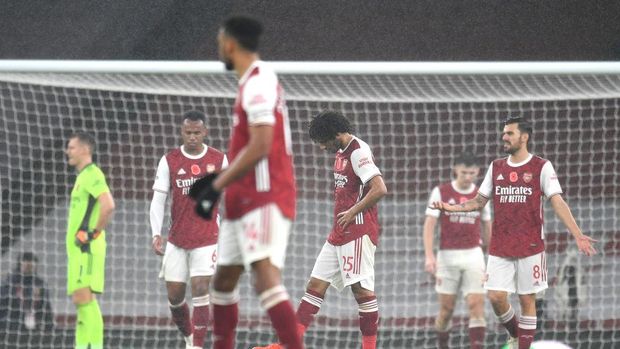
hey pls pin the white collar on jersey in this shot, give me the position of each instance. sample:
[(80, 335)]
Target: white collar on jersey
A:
[(512, 164), (194, 157), (461, 191), (246, 74), (348, 144)]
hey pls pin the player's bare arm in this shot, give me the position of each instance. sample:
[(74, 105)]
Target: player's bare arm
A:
[(584, 242), (486, 227), (257, 148), (474, 204), (106, 207), (430, 263), (375, 193)]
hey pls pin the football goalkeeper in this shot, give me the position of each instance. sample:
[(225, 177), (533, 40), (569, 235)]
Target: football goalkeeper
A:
[(90, 210)]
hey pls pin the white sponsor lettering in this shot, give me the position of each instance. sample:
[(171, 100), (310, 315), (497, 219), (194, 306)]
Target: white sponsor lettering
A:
[(463, 217), (340, 180), (510, 194)]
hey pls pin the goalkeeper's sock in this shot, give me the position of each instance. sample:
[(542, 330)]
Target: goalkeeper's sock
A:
[(369, 321), (277, 304), (309, 306), (443, 339), (225, 318), (200, 319), (180, 316), (89, 327), (509, 320)]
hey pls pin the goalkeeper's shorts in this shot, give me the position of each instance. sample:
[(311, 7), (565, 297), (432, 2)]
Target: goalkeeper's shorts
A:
[(86, 269)]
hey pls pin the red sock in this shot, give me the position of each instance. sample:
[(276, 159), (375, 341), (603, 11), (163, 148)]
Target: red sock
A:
[(200, 318), (369, 321), (309, 306), (509, 320), (476, 337), (276, 301), (527, 329), (180, 316), (225, 317), (443, 338)]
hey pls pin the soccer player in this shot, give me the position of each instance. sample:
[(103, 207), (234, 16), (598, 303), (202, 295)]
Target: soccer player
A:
[(260, 190), (517, 262), (348, 256), (90, 210), (191, 250), (460, 260)]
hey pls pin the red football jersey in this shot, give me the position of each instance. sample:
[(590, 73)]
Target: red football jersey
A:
[(353, 168), (517, 192), (187, 229), (260, 102), (459, 230)]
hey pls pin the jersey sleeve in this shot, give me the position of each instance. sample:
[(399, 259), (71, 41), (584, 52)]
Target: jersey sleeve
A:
[(435, 196), (485, 215), (364, 164), (486, 188), (97, 184), (259, 100), (549, 180), (162, 178)]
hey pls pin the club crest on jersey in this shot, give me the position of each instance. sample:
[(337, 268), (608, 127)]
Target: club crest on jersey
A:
[(181, 172), (340, 164), (210, 168), (527, 177), (513, 177), (462, 199), (195, 169)]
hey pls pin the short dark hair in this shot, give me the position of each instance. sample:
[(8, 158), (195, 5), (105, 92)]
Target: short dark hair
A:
[(195, 115), (85, 138), (467, 159), (326, 125), (523, 125), (28, 257), (245, 30)]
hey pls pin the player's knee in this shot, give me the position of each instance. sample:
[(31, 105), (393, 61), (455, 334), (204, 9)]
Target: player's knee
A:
[(360, 293), (317, 286), (497, 298)]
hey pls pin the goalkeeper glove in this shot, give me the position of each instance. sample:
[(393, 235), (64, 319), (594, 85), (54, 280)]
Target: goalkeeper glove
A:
[(206, 197), (83, 238)]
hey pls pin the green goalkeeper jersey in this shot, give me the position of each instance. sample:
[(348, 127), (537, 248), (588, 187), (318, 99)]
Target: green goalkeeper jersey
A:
[(89, 184)]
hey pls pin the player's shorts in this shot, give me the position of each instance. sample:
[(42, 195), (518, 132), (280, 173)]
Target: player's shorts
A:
[(179, 264), (460, 269), (86, 269), (526, 275), (261, 233), (348, 264)]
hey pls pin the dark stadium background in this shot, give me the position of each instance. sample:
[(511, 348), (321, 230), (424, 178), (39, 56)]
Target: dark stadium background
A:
[(315, 30)]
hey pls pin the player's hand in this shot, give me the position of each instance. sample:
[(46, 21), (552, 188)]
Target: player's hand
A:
[(84, 237), (441, 206), (206, 197), (158, 245), (345, 218), (584, 244), (430, 265)]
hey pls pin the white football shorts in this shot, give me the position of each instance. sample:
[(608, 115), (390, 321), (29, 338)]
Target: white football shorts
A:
[(460, 269), (526, 275), (348, 264), (259, 234), (180, 264)]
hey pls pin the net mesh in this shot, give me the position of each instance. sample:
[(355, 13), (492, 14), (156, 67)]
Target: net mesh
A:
[(415, 124)]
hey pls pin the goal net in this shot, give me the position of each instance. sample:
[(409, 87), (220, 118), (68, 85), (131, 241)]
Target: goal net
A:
[(416, 118)]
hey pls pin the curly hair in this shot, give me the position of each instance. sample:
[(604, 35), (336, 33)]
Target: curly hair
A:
[(326, 125)]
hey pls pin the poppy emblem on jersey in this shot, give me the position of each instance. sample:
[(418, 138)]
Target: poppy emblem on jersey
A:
[(527, 177), (210, 168), (195, 169), (340, 164), (462, 199), (514, 177)]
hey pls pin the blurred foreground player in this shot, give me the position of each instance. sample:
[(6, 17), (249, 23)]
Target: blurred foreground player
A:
[(260, 191)]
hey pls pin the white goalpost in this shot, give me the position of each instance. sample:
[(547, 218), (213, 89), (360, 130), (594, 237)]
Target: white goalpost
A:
[(415, 116)]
